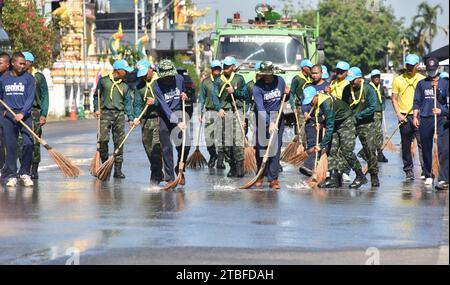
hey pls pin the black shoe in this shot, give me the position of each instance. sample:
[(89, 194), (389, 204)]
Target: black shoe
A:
[(332, 181), (34, 171), (441, 186), (359, 181), (118, 171), (212, 157), (305, 171), (232, 172), (374, 180), (240, 169), (382, 158), (220, 159), (410, 175)]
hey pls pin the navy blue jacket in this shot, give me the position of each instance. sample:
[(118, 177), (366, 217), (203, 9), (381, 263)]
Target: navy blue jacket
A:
[(169, 97), (18, 92), (268, 98), (424, 97)]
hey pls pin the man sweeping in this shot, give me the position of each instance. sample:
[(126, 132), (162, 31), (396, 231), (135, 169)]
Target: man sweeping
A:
[(17, 90), (209, 105), (403, 89), (115, 102), (230, 139), (377, 86), (313, 122), (4, 67), (150, 120), (427, 104), (170, 91), (268, 93), (339, 139), (39, 111)]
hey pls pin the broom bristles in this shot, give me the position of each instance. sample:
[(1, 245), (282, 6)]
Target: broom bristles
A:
[(290, 150), (298, 159), (414, 148), (66, 166), (365, 169), (390, 146), (96, 163), (196, 160), (249, 160), (435, 166), (320, 173), (104, 171), (174, 183)]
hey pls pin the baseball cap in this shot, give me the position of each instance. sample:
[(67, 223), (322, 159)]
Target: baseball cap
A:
[(308, 93), (229, 60), (143, 66), (257, 66), (28, 56), (375, 72), (266, 68), (122, 64), (325, 74), (306, 63), (412, 59), (342, 65), (354, 73), (431, 64), (216, 63), (444, 75)]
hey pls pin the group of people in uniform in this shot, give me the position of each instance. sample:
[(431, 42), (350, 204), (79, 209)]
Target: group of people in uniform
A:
[(331, 116)]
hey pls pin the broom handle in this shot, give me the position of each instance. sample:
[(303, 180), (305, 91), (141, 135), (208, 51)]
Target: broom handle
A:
[(317, 143), (200, 132), (132, 128), (266, 155), (99, 116), (239, 118), (181, 164), (393, 133), (435, 106), (41, 141)]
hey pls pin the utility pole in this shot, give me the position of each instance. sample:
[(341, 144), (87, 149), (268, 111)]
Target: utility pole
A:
[(136, 24), (143, 14), (153, 25), (85, 53)]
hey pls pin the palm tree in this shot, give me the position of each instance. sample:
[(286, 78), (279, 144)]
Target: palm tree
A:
[(424, 26)]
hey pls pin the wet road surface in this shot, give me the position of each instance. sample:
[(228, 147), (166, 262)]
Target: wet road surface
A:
[(210, 220)]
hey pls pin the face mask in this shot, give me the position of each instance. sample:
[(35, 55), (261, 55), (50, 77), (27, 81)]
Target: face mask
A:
[(432, 73)]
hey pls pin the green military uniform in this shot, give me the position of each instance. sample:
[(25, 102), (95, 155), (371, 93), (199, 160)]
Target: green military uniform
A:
[(115, 101), (298, 84), (150, 127), (208, 97), (231, 142), (362, 101), (378, 116)]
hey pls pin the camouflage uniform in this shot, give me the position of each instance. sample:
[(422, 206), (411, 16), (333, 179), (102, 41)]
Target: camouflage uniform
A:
[(115, 100), (231, 140), (150, 128), (298, 84)]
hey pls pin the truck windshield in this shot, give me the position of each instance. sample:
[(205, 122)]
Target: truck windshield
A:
[(285, 51)]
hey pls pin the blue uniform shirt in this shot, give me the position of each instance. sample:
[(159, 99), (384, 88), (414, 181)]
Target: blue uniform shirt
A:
[(169, 97), (424, 97), (18, 92), (268, 98)]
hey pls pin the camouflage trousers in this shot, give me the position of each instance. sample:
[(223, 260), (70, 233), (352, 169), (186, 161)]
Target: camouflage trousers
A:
[(112, 121), (210, 127), (367, 135), (302, 123), (229, 139), (37, 128), (342, 146), (378, 124), (152, 146)]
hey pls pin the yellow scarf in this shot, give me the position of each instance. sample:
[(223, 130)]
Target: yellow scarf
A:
[(115, 84), (322, 98), (356, 101), (338, 87), (148, 86), (307, 79), (377, 89), (33, 71), (227, 82), (410, 83)]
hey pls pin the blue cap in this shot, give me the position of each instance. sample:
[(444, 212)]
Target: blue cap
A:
[(342, 65), (122, 64), (306, 63), (216, 63), (257, 66), (308, 95), (143, 66), (412, 59), (375, 72), (229, 60), (28, 56), (324, 68), (354, 73), (325, 75), (444, 75)]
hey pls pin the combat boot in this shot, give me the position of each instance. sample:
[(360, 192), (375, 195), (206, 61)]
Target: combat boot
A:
[(212, 156), (34, 171), (240, 169), (359, 181), (374, 180), (332, 181), (339, 178), (232, 172), (220, 159), (118, 170), (381, 157)]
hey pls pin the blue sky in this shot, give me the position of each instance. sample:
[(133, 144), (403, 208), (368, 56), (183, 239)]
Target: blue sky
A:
[(402, 8)]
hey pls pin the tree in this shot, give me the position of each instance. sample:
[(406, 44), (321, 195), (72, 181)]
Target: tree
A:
[(28, 30), (424, 27), (355, 32)]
